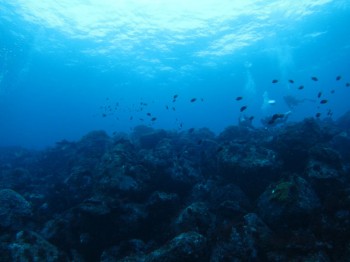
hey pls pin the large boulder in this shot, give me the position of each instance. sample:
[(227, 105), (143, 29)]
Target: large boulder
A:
[(289, 203), (14, 209)]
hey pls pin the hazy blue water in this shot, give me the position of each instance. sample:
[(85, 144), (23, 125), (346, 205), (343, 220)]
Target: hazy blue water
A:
[(62, 63)]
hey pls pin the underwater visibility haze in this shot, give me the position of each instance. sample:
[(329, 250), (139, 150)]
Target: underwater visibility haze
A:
[(163, 130), (69, 67)]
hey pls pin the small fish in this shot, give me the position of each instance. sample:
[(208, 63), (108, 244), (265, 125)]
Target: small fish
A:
[(332, 91), (243, 108), (314, 78), (238, 98), (274, 81), (324, 101), (347, 84), (141, 119), (167, 107), (193, 100), (251, 118), (301, 87), (291, 81), (319, 94), (153, 119), (318, 115), (104, 115), (173, 108), (329, 113), (149, 114), (338, 78), (175, 96)]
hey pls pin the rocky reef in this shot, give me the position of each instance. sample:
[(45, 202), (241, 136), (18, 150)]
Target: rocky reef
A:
[(247, 194)]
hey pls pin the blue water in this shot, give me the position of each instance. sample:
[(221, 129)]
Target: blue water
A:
[(69, 67)]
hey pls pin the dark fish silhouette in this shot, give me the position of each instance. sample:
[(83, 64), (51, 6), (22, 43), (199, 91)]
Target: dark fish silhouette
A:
[(153, 119), (190, 131), (314, 78), (149, 114), (347, 84), (251, 118), (301, 87), (318, 115), (291, 81), (193, 100), (243, 108), (319, 94), (274, 81), (332, 91), (175, 96), (338, 78), (324, 101), (238, 98)]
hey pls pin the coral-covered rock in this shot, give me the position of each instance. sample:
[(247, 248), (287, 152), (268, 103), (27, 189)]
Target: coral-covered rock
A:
[(14, 209), (29, 246), (245, 242), (252, 167), (196, 217), (190, 246), (227, 200), (290, 202), (293, 143)]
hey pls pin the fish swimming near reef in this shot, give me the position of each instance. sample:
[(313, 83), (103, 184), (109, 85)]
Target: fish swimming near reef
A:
[(292, 102)]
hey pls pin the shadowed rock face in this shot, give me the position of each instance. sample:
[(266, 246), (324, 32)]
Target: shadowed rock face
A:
[(244, 195)]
